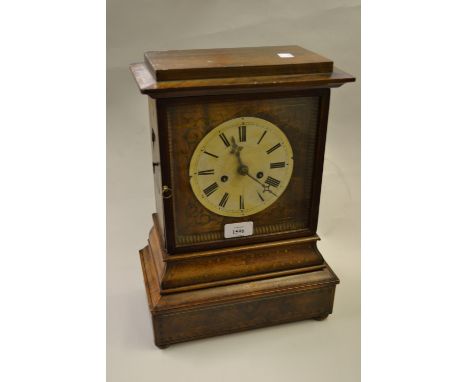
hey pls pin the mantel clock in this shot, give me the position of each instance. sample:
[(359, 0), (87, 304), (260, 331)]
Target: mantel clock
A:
[(238, 139)]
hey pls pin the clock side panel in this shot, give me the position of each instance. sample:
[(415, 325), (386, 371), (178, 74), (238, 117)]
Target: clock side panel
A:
[(156, 155), (319, 158), (187, 120)]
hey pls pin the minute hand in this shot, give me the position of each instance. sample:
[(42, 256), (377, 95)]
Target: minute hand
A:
[(261, 184)]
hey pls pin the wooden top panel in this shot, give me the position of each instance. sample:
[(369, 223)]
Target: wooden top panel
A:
[(160, 89), (173, 65)]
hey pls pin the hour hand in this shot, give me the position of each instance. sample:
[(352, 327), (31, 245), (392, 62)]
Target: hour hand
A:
[(233, 144), (236, 151), (235, 147)]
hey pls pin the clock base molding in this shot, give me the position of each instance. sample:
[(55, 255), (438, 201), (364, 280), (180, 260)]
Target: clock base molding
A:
[(210, 311), (216, 267)]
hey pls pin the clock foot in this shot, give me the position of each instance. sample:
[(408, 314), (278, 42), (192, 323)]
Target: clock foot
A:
[(321, 317), (162, 346)]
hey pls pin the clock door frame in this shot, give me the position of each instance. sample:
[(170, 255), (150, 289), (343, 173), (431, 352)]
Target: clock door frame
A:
[(167, 216)]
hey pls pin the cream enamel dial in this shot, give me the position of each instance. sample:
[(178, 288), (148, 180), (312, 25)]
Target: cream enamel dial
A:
[(241, 167)]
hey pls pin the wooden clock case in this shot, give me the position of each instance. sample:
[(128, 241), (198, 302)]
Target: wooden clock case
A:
[(199, 285)]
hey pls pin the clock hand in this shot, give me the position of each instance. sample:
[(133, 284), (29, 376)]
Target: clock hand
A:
[(265, 188), (234, 145), (236, 150), (271, 192), (252, 177), (243, 169)]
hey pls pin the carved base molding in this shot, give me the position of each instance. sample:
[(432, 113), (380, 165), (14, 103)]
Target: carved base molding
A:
[(194, 306)]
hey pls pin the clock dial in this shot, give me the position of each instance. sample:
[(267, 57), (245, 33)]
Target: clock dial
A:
[(241, 167)]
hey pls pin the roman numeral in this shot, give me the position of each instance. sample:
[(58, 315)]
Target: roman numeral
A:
[(241, 202), (272, 181), (224, 200), (206, 172), (242, 133), (225, 140), (210, 189), (212, 155), (277, 164), (260, 196), (273, 148), (261, 137)]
